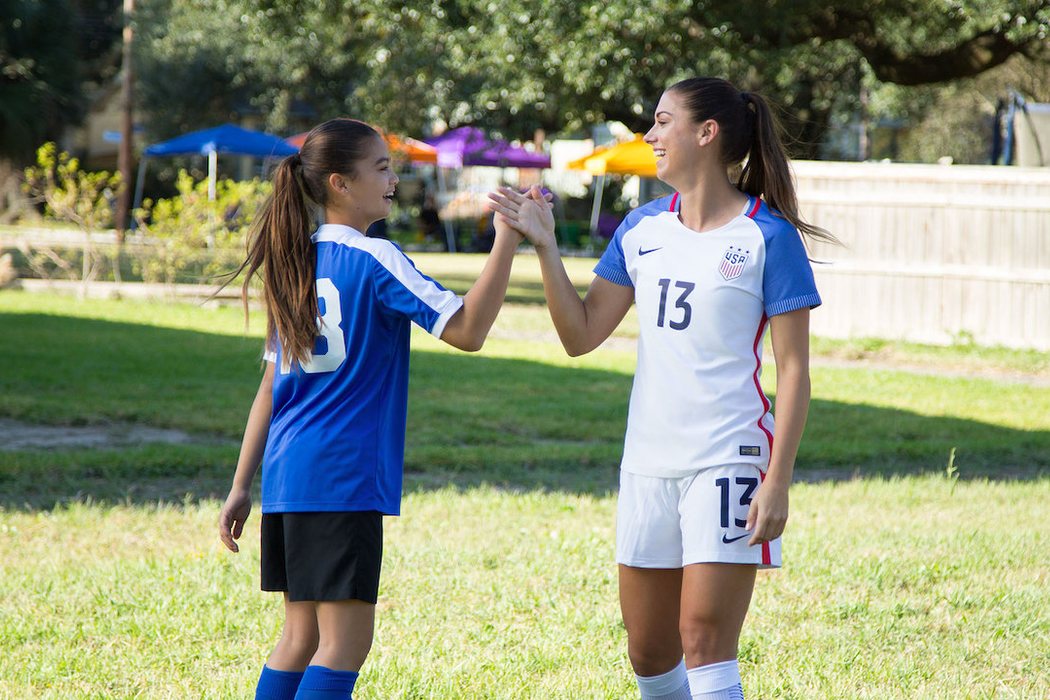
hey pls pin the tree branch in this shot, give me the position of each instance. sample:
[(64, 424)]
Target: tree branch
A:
[(971, 57)]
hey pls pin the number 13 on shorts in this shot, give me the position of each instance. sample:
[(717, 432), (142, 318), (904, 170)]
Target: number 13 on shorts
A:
[(734, 493), (734, 498)]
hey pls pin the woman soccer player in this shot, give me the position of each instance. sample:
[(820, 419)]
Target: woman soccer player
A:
[(703, 485), (328, 422)]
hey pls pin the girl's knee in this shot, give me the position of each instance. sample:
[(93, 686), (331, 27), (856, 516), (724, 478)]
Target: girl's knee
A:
[(298, 643)]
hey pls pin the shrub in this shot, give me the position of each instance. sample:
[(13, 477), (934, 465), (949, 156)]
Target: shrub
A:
[(193, 238)]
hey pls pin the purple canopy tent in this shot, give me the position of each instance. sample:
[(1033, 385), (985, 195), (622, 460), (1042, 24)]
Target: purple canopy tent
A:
[(468, 146), (502, 155), (453, 146)]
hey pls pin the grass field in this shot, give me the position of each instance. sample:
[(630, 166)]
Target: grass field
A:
[(904, 582)]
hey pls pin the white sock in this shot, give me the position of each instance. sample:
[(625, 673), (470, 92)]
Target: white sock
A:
[(719, 681), (673, 685)]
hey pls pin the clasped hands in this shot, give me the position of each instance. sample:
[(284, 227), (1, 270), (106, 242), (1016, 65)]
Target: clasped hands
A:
[(530, 213)]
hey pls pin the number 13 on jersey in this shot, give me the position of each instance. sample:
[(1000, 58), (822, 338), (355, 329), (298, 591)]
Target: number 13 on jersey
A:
[(680, 303)]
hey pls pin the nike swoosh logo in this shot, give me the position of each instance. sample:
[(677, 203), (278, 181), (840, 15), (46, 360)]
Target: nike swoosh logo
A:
[(646, 252), (730, 540)]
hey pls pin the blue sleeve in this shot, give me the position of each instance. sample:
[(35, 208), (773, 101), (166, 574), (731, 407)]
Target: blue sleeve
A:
[(612, 265), (787, 281), (404, 290)]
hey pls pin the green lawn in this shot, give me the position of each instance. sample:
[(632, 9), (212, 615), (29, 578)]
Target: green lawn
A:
[(498, 580), (891, 589)]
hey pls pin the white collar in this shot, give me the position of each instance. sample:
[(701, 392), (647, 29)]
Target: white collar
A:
[(335, 232)]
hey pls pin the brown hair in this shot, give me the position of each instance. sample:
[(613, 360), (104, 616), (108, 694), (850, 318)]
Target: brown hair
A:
[(749, 131), (279, 240)]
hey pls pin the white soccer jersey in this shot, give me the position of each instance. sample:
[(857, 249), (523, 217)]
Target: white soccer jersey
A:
[(704, 301)]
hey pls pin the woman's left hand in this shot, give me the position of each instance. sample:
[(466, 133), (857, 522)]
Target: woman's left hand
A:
[(768, 513)]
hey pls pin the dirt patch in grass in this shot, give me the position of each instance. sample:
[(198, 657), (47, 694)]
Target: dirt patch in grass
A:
[(17, 435)]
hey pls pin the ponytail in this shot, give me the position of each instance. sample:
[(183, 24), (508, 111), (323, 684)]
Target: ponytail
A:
[(750, 133), (280, 248), (766, 170), (279, 245)]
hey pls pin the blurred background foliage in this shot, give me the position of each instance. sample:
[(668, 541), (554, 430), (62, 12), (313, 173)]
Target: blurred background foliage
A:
[(836, 67)]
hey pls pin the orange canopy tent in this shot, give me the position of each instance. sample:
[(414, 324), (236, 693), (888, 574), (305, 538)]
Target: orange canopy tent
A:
[(416, 151)]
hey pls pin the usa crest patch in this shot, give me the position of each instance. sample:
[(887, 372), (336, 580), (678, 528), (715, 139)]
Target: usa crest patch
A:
[(733, 262)]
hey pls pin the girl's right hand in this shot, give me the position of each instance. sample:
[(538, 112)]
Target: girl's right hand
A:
[(231, 519), (530, 214)]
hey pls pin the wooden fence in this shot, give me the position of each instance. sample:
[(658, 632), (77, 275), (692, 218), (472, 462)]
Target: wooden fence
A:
[(932, 253)]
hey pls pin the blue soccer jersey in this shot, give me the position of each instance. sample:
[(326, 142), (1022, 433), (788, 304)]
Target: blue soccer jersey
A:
[(704, 302), (337, 430)]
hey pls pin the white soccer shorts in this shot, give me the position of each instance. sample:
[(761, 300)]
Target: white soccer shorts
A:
[(668, 523)]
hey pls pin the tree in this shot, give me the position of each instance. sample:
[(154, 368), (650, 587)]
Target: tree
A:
[(39, 88), (50, 53), (558, 64), (280, 64)]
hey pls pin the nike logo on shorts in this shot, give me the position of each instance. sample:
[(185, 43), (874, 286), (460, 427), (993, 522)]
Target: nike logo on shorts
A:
[(731, 540)]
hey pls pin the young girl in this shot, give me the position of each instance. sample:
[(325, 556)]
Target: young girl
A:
[(703, 485), (328, 421)]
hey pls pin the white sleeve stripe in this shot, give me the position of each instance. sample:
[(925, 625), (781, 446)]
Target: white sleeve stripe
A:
[(446, 316), (426, 290), (393, 261)]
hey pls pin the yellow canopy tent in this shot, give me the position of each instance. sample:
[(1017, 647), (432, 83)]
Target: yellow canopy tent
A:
[(634, 157)]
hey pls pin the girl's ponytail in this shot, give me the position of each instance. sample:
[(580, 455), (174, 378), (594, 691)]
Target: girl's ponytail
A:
[(280, 247), (279, 244)]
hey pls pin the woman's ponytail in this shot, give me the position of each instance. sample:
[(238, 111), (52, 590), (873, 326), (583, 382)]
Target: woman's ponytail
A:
[(750, 134), (766, 171)]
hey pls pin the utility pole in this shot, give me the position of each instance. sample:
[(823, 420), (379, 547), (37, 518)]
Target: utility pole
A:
[(126, 149)]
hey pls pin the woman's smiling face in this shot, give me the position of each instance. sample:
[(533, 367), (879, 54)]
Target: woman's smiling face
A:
[(675, 138)]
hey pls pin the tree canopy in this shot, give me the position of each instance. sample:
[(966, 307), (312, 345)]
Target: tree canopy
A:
[(51, 55), (560, 65)]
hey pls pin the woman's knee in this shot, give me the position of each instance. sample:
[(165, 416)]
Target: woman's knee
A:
[(652, 656), (706, 641)]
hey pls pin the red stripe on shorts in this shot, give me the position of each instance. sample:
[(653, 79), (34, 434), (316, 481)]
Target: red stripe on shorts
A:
[(767, 558)]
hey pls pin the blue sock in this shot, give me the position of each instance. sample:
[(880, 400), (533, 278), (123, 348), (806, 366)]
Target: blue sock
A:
[(277, 685), (320, 683)]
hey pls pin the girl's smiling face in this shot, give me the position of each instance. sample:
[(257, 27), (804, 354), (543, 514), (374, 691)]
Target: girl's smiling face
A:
[(367, 196)]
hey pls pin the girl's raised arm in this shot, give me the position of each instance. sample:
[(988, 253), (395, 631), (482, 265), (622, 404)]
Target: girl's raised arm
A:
[(582, 324), (469, 327)]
